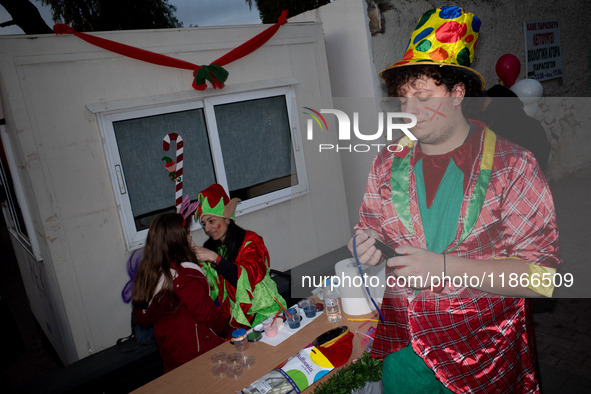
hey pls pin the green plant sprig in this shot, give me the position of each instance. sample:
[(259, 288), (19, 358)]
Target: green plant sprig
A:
[(352, 377)]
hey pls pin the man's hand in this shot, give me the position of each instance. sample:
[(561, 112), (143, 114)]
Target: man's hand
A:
[(417, 265), (366, 251)]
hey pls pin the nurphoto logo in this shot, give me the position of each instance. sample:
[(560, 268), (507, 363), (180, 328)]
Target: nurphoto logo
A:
[(387, 122)]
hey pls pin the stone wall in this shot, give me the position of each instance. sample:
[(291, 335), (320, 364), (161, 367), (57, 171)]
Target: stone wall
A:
[(565, 119)]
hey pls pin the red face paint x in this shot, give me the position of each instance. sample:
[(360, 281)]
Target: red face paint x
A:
[(435, 112)]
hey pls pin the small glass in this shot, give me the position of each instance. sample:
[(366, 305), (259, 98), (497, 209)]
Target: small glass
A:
[(293, 318), (309, 308), (270, 329)]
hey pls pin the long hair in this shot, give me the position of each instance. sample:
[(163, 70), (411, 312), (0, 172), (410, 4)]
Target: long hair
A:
[(232, 241), (166, 243)]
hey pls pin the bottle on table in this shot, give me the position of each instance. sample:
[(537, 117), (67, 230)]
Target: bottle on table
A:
[(239, 339), (332, 304)]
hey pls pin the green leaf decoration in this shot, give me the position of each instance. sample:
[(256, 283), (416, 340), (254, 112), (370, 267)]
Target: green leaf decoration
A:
[(352, 377), (213, 73)]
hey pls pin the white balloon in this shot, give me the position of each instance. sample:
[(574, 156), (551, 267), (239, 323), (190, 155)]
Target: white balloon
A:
[(528, 88), (529, 92), (531, 109)]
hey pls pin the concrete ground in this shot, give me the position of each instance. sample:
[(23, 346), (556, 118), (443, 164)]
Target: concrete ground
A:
[(562, 325)]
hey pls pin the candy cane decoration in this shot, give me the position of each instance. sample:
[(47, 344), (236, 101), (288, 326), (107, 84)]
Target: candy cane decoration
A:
[(179, 165)]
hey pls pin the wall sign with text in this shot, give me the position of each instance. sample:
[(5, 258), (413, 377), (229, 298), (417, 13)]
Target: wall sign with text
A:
[(542, 49)]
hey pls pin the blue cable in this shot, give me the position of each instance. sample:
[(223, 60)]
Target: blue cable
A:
[(363, 278)]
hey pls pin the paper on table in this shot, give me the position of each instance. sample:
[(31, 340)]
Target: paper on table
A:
[(293, 376), (285, 332)]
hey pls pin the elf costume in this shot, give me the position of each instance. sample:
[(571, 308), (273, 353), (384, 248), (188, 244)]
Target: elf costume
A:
[(485, 200), (255, 296)]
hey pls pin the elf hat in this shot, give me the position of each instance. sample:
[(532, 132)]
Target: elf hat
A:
[(444, 36), (215, 201)]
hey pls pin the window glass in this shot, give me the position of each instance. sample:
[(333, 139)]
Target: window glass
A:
[(255, 139), (151, 188), (246, 141)]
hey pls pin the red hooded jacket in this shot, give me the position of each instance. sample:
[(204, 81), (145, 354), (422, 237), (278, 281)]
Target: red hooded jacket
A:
[(192, 327)]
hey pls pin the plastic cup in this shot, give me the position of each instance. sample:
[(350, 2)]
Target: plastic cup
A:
[(234, 371), (219, 370), (293, 319), (309, 308), (218, 358), (270, 329)]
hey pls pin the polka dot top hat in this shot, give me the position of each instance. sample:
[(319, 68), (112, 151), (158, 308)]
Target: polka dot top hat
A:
[(215, 201), (444, 36)]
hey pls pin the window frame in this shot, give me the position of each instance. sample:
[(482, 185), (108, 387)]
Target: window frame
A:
[(134, 238), (29, 241), (275, 197)]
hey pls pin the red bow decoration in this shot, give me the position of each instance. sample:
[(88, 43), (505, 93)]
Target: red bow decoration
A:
[(214, 72)]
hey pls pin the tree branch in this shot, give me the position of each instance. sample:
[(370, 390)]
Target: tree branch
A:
[(26, 16)]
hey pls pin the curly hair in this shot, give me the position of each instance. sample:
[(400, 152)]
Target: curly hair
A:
[(448, 76)]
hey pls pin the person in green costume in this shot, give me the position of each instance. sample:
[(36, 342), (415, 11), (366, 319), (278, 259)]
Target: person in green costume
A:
[(236, 262), (473, 220)]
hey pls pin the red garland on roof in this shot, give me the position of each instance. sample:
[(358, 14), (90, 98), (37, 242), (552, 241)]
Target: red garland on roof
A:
[(214, 72)]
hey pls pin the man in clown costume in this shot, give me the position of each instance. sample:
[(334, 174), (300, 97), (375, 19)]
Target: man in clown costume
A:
[(473, 219), (236, 262)]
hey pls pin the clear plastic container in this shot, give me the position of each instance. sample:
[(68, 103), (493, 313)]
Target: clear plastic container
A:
[(309, 308), (239, 339), (234, 359), (218, 357), (249, 361), (234, 371), (271, 329), (219, 370), (293, 318)]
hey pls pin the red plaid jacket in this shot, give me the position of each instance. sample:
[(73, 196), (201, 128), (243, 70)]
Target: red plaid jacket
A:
[(474, 342)]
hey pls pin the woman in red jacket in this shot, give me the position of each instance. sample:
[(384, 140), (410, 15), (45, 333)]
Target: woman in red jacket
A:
[(172, 294)]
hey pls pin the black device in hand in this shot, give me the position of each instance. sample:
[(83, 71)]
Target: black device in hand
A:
[(387, 251)]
